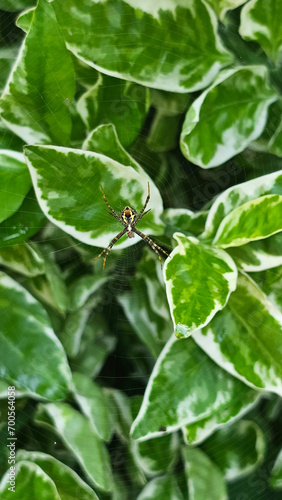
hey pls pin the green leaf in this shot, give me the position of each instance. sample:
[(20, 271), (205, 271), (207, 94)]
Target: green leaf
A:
[(246, 338), (104, 140), (15, 182), (173, 47), (186, 388), (271, 284), (252, 221), (95, 405), (95, 346), (230, 114), (276, 473), (31, 355), (82, 288), (258, 255), (184, 221), (237, 449), (145, 304), (77, 433), (191, 269), (23, 259), (50, 288), (26, 222), (116, 101), (238, 195), (30, 480), (82, 213), (261, 22), (34, 102), (204, 478), (158, 455), (271, 138), (160, 488), (69, 484)]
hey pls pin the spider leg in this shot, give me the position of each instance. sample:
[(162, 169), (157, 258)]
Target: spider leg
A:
[(152, 244), (141, 213), (116, 215), (109, 247)]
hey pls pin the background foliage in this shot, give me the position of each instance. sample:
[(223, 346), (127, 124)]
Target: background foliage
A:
[(137, 382)]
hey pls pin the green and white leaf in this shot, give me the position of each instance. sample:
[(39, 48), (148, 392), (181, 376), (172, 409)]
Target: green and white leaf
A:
[(78, 435), (192, 268), (254, 220), (95, 404), (186, 388), (276, 473), (32, 358), (115, 101), (34, 101), (237, 195), (271, 139), (258, 255), (81, 212), (23, 259), (237, 449), (173, 47), (261, 21), (83, 287), (246, 338), (69, 484), (30, 478), (15, 182), (270, 283), (160, 488), (222, 6), (246, 93), (184, 220), (158, 455), (204, 478)]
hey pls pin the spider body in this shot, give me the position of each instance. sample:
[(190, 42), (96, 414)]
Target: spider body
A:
[(128, 217)]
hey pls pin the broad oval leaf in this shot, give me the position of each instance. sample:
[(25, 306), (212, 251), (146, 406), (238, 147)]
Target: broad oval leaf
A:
[(76, 432), (187, 388), (254, 220), (81, 212), (237, 449), (227, 116), (34, 101), (122, 103), (158, 455), (32, 357), (199, 280), (261, 21), (15, 182), (69, 484), (246, 338), (95, 404), (237, 195), (173, 47), (204, 478), (30, 479)]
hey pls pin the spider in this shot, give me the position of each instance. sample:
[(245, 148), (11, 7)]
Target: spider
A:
[(128, 217)]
